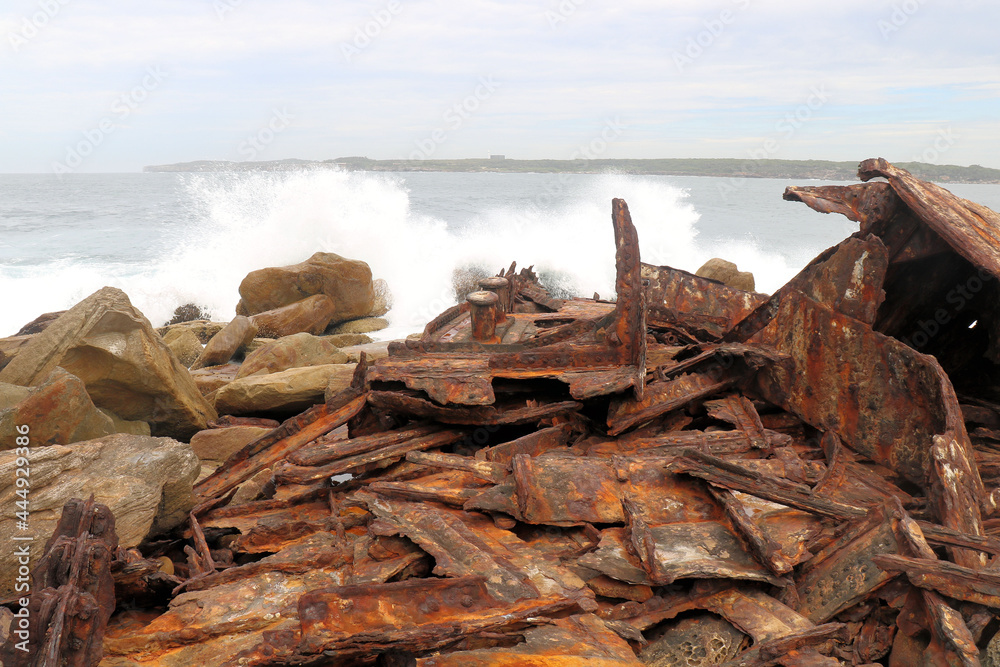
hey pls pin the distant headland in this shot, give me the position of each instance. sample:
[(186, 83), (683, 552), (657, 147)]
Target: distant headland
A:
[(719, 167)]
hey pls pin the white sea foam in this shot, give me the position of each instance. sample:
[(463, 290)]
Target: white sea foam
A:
[(253, 220)]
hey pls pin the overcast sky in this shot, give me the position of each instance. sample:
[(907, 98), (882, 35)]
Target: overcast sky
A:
[(112, 85)]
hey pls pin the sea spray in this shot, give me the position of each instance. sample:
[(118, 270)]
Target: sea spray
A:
[(414, 230)]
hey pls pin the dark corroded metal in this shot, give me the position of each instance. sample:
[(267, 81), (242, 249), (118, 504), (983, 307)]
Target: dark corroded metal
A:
[(72, 593), (882, 398), (676, 297)]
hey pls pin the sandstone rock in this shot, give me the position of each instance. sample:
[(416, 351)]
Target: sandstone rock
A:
[(361, 326), (295, 351), (203, 329), (292, 390), (12, 394), (58, 412), (126, 367), (256, 344), (146, 482), (211, 379), (218, 444), (185, 345), (383, 298), (339, 380), (126, 426), (347, 282), (373, 351), (10, 346), (311, 315), (226, 343), (727, 274), (38, 324), (346, 340), (251, 489)]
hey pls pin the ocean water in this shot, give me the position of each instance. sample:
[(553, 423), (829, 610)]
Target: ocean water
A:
[(170, 239)]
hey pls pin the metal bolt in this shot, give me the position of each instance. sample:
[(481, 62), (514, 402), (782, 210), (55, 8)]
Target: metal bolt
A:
[(483, 309), (500, 287)]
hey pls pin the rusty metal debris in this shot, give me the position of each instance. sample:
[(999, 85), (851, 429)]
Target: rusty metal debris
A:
[(559, 482)]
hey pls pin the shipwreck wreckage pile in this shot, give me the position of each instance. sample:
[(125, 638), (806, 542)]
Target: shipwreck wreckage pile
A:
[(688, 475)]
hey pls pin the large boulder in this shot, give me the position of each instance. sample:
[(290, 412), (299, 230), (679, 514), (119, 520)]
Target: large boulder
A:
[(146, 482), (223, 345), (58, 412), (347, 282), (288, 391), (726, 273), (125, 365), (311, 315), (295, 351)]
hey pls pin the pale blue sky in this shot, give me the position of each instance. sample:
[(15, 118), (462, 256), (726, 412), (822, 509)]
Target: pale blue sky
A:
[(111, 85)]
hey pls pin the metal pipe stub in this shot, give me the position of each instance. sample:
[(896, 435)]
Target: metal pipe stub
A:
[(500, 287), (483, 307)]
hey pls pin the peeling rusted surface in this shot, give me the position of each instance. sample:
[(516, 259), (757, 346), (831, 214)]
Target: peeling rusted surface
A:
[(676, 297), (72, 592)]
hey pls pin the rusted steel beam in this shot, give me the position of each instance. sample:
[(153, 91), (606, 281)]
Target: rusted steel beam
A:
[(739, 478), (496, 473), (954, 581), (740, 412), (293, 474), (451, 488), (584, 639), (276, 445), (320, 453), (661, 398), (676, 297), (422, 614), (72, 595), (482, 415), (468, 543)]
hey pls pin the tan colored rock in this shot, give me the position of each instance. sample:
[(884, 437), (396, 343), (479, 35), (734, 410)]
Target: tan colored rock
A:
[(292, 390), (185, 345), (203, 329), (361, 326), (126, 426), (251, 489), (211, 379), (727, 274), (383, 298), (311, 315), (125, 365), (218, 444), (347, 340), (146, 482), (38, 324), (347, 282), (295, 351), (223, 345), (12, 394), (58, 412), (339, 381), (373, 351), (256, 344), (10, 346)]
